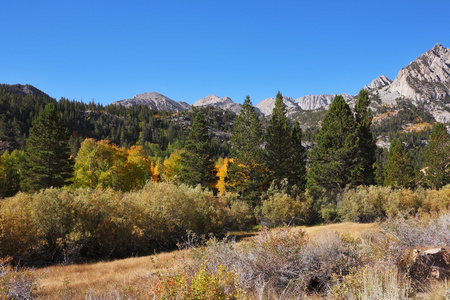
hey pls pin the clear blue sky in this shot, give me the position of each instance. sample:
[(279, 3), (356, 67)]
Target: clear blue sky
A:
[(186, 50)]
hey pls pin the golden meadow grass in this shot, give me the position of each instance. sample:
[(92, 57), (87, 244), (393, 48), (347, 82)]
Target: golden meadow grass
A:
[(96, 278), (131, 274)]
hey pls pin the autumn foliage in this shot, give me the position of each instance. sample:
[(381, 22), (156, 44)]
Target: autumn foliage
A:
[(103, 164), (74, 225)]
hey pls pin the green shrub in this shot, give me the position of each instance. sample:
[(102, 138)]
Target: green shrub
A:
[(69, 226), (240, 215), (168, 211), (404, 201), (435, 201), (202, 284), (369, 204), (364, 204), (281, 208)]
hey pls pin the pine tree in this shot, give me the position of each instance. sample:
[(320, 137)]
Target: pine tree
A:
[(438, 158), (398, 171), (247, 171), (297, 161), (48, 160), (365, 157), (197, 164), (10, 172), (278, 149), (333, 159)]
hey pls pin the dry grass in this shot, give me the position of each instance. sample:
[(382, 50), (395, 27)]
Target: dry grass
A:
[(77, 281), (353, 230)]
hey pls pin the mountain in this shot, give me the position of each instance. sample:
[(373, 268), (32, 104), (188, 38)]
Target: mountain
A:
[(154, 100), (425, 79), (223, 103), (23, 90), (266, 106), (424, 83), (311, 102), (377, 83)]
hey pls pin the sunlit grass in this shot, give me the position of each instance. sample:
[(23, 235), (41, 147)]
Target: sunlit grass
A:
[(134, 275), (125, 275)]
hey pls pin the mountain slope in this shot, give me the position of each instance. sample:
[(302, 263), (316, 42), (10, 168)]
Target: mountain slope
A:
[(23, 90), (266, 106), (154, 100), (378, 82), (424, 83), (223, 103), (311, 102), (425, 79)]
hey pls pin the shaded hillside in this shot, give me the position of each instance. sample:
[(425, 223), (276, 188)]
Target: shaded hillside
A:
[(160, 132)]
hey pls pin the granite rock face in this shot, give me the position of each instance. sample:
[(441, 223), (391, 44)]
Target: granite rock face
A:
[(154, 100), (424, 80), (377, 83), (223, 103), (266, 106), (311, 102)]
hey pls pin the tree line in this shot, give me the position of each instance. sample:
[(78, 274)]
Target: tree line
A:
[(259, 157)]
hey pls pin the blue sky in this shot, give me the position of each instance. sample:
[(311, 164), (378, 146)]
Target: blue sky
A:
[(112, 50)]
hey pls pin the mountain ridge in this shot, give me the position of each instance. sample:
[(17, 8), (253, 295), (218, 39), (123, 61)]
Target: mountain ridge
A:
[(23, 89), (154, 100)]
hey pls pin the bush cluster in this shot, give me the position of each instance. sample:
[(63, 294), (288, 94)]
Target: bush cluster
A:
[(284, 263), (69, 226), (368, 204), (278, 262), (282, 208)]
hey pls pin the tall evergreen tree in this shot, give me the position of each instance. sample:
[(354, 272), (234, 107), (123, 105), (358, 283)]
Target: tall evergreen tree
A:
[(48, 160), (278, 149), (398, 171), (333, 162), (196, 160), (365, 156), (247, 171), (297, 166), (438, 158)]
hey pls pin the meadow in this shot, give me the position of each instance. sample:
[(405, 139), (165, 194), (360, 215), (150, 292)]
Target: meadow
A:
[(105, 244)]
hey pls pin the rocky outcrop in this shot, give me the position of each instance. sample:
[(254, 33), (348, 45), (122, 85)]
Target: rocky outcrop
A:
[(378, 82), (223, 103), (311, 102), (425, 79), (430, 264), (154, 100), (266, 106)]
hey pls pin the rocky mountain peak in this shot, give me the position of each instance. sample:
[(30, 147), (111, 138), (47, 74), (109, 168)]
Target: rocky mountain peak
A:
[(150, 96), (425, 79), (379, 82), (211, 100), (311, 102), (266, 106), (23, 89), (154, 100), (223, 103)]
